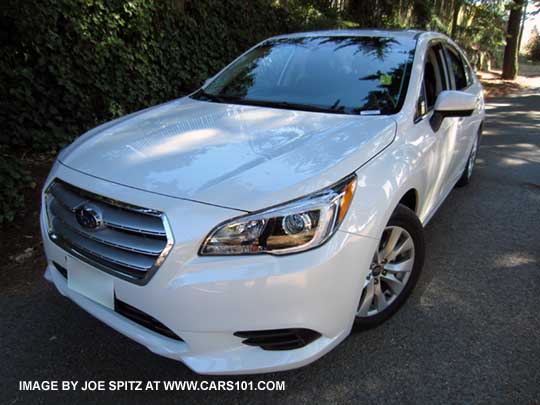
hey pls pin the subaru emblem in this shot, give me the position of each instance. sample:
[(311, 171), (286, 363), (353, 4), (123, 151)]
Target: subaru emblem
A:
[(89, 216)]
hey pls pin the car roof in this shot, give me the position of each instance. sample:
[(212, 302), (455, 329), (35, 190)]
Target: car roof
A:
[(413, 34)]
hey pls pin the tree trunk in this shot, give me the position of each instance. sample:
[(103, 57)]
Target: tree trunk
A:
[(522, 24), (510, 64), (457, 8)]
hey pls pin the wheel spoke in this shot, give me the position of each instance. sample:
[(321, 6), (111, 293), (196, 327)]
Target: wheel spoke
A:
[(378, 256), (403, 247), (393, 239), (395, 284), (380, 298), (367, 298), (402, 267)]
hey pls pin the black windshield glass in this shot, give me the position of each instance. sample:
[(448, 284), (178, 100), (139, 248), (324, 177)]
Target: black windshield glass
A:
[(352, 75)]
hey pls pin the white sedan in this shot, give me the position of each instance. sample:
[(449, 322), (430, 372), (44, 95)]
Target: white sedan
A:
[(249, 226)]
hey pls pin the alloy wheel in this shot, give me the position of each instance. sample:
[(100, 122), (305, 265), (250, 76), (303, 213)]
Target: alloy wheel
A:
[(389, 272)]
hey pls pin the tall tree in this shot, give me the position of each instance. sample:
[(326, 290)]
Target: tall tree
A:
[(455, 15), (510, 64)]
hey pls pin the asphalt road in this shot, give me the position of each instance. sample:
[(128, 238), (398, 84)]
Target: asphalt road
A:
[(469, 333)]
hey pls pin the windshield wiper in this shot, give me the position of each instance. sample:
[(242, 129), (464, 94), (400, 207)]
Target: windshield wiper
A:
[(288, 105), (202, 95)]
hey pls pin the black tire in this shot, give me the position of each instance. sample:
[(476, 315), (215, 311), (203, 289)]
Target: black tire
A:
[(405, 218), (467, 172)]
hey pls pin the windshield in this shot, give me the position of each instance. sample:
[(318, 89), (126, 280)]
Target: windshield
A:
[(347, 75)]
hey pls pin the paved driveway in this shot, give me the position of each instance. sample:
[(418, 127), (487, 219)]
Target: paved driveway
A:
[(469, 333)]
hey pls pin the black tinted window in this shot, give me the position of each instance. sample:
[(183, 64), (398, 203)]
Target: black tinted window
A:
[(337, 74), (454, 60)]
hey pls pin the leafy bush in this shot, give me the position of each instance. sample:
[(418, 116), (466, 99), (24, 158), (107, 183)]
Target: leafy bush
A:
[(533, 46), (13, 179), (67, 65)]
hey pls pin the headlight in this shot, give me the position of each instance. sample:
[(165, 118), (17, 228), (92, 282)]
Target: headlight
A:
[(291, 227)]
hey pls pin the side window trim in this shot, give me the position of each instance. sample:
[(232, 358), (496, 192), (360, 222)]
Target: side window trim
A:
[(469, 71), (449, 78), (447, 62), (436, 46), (465, 64)]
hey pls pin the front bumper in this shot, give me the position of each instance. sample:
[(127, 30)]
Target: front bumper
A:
[(205, 300)]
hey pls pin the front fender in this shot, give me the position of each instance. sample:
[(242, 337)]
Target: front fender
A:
[(382, 183)]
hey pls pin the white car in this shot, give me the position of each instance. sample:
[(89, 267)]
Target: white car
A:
[(249, 226)]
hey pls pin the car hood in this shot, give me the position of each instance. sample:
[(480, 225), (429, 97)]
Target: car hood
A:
[(236, 156)]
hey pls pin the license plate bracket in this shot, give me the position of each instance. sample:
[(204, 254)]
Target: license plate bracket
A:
[(90, 282)]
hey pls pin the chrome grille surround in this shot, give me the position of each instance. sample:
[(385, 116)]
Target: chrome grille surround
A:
[(131, 243)]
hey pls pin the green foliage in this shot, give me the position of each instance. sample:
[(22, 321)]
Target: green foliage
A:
[(306, 15), (13, 179), (482, 34), (532, 48), (69, 64), (382, 14)]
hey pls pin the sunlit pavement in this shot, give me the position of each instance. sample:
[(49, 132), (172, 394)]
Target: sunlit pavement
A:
[(469, 333)]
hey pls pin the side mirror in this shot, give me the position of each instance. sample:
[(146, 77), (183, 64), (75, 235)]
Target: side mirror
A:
[(452, 103)]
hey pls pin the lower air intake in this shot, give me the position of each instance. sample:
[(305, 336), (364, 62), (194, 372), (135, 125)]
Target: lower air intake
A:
[(279, 339), (143, 319)]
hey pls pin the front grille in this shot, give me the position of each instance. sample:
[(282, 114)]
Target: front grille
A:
[(127, 241)]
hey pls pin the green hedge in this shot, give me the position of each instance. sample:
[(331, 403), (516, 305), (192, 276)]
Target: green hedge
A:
[(67, 65), (13, 178)]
